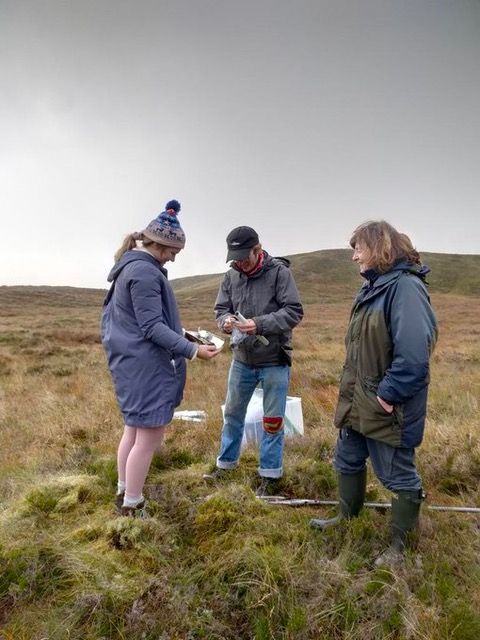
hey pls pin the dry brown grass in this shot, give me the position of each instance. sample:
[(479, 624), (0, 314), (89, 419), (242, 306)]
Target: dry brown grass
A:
[(231, 568)]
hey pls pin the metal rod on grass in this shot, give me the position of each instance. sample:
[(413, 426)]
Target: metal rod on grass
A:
[(307, 502)]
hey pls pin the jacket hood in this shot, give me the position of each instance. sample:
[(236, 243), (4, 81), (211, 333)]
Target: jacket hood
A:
[(420, 271), (133, 256), (285, 261)]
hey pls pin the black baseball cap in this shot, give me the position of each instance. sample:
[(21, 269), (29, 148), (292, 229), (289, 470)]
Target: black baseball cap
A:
[(239, 242)]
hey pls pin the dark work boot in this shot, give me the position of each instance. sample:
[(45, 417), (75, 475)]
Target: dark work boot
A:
[(217, 474), (266, 487), (405, 511), (351, 496)]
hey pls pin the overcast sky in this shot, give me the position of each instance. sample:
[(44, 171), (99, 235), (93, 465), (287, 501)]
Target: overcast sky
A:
[(301, 118)]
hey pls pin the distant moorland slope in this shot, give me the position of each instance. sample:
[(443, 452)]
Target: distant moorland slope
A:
[(328, 273), (331, 273)]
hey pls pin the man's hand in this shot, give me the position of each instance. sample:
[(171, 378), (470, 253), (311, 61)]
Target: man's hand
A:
[(228, 323), (207, 351), (385, 406), (248, 326)]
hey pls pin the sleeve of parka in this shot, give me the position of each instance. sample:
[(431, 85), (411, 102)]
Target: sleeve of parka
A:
[(413, 331), (223, 303), (147, 301), (290, 310)]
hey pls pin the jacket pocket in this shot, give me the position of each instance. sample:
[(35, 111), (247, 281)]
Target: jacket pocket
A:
[(372, 415), (371, 383), (398, 409)]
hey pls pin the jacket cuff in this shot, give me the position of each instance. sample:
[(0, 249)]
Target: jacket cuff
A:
[(384, 395), (195, 353), (190, 350), (258, 323)]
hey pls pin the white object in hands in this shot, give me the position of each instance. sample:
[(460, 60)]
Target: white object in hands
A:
[(204, 337), (262, 339)]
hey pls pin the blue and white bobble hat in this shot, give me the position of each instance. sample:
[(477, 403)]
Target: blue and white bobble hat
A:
[(166, 229)]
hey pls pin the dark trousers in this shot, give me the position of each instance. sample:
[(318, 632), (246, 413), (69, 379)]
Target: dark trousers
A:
[(393, 466)]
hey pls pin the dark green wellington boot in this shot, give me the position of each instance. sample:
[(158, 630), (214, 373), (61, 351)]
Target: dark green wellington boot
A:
[(405, 511), (351, 496)]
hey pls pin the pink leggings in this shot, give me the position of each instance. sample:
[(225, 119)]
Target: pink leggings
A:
[(135, 453)]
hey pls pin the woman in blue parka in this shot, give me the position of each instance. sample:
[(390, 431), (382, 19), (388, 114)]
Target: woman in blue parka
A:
[(384, 384), (146, 351)]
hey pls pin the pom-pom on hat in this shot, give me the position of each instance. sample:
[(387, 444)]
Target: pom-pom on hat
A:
[(240, 241), (166, 229)]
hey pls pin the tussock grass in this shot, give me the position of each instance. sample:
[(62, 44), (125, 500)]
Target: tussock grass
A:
[(215, 562)]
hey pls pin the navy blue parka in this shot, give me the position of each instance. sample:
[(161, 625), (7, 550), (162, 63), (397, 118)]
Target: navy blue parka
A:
[(143, 340)]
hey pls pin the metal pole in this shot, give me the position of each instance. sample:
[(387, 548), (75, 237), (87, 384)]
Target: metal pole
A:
[(307, 502)]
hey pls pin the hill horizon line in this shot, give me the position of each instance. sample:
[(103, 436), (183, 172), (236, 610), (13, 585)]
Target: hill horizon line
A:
[(179, 283)]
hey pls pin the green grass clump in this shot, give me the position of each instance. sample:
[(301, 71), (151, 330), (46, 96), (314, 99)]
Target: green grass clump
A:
[(309, 478), (63, 494), (173, 458), (30, 573), (104, 469), (462, 622)]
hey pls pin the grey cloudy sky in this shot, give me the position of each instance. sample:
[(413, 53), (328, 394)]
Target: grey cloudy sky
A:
[(301, 118)]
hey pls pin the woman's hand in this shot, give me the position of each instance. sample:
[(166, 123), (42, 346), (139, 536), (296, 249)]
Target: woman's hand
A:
[(207, 351), (385, 406)]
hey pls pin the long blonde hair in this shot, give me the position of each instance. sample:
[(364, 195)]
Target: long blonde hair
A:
[(384, 245), (130, 242)]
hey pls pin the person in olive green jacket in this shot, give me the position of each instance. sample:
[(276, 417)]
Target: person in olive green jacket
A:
[(384, 384)]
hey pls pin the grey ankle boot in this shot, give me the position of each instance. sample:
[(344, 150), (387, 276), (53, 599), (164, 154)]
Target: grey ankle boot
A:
[(351, 495), (405, 511)]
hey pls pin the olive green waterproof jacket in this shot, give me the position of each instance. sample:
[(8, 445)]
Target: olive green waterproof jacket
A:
[(390, 338)]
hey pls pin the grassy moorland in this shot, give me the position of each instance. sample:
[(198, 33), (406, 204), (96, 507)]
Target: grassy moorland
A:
[(219, 564)]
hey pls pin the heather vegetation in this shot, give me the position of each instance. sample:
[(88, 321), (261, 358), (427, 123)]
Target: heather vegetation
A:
[(217, 563)]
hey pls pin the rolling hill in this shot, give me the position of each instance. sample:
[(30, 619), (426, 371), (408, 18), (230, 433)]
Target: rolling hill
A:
[(331, 274), (320, 275)]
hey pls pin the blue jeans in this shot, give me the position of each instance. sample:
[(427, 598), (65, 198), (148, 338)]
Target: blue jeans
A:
[(393, 466), (242, 381)]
